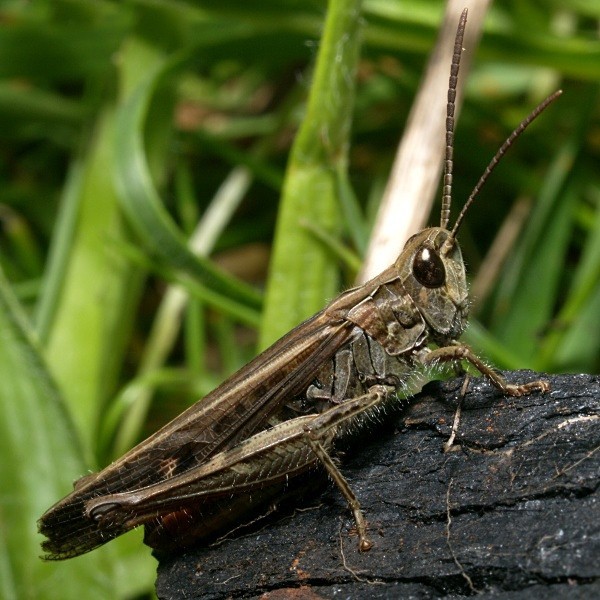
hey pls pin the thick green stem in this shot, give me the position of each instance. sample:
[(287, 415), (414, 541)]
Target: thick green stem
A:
[(303, 272)]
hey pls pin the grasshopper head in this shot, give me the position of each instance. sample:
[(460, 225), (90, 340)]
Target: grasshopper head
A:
[(433, 274), (431, 266)]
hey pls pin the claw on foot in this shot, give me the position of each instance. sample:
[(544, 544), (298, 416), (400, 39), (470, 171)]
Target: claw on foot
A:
[(526, 389)]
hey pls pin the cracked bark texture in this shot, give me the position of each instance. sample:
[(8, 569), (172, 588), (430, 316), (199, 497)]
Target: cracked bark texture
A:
[(512, 511)]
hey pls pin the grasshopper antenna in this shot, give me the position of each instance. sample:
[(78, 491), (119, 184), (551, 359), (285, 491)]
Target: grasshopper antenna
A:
[(448, 164), (492, 165)]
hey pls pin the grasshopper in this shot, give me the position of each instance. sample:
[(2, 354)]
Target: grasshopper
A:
[(281, 415)]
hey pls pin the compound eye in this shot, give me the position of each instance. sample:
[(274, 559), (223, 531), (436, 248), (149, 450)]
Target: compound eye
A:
[(428, 268)]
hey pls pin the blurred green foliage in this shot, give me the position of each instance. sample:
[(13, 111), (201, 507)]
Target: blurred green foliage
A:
[(139, 138)]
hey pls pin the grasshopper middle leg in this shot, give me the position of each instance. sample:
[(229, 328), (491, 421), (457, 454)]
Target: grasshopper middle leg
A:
[(320, 425)]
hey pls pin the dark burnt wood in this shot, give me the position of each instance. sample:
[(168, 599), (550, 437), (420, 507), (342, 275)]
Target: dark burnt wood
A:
[(521, 488)]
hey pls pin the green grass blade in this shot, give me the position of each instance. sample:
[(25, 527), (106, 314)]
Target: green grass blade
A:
[(353, 215), (574, 340), (91, 290), (529, 289), (143, 205), (169, 316), (45, 457)]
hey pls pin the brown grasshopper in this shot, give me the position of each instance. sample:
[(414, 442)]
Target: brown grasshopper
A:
[(281, 414)]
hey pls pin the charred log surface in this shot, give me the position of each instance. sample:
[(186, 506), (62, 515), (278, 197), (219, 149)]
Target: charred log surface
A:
[(512, 511)]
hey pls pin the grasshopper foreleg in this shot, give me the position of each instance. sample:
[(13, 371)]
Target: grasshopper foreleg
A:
[(459, 352)]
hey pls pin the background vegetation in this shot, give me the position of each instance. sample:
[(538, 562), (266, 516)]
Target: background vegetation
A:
[(135, 132)]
